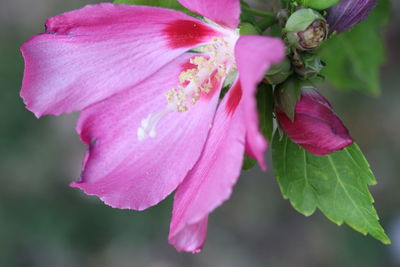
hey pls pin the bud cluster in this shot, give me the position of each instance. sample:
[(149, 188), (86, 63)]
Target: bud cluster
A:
[(304, 31), (303, 113)]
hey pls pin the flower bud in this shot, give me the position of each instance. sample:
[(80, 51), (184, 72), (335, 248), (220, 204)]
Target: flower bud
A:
[(315, 127), (306, 29), (348, 13), (278, 73), (307, 65), (318, 4)]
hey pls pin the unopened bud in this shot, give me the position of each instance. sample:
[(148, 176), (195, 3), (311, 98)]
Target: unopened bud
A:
[(348, 13), (315, 126), (306, 29)]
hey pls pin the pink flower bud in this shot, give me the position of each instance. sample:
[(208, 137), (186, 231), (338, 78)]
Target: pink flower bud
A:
[(315, 127)]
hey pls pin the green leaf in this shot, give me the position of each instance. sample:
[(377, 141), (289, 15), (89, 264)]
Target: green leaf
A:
[(265, 106), (337, 184), (354, 58), (172, 4)]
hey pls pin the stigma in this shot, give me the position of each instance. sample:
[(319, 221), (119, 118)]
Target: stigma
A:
[(209, 69)]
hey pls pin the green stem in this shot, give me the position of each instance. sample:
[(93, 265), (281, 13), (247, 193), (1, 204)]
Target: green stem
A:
[(258, 12)]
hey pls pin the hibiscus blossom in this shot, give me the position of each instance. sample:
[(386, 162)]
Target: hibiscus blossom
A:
[(150, 107)]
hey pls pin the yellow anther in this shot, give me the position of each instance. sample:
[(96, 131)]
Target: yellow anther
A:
[(197, 80), (199, 61), (187, 75)]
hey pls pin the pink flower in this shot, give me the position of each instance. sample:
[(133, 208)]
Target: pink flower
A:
[(316, 127), (150, 109)]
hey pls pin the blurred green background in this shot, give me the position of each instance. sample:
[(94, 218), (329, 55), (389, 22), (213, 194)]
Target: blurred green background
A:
[(45, 223)]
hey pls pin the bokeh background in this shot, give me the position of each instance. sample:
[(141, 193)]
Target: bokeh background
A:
[(45, 223)]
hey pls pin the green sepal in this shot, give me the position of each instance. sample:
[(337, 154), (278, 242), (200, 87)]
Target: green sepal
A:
[(287, 94), (336, 184), (279, 73), (307, 65), (246, 28)]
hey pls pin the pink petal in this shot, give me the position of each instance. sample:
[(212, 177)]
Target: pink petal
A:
[(130, 174), (192, 237), (210, 181), (89, 54), (224, 12), (254, 55)]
